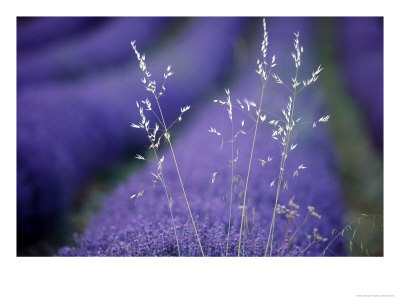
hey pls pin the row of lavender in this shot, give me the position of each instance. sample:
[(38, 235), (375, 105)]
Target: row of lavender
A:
[(142, 226)]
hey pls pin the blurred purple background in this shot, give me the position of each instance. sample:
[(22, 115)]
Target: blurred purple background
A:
[(77, 86)]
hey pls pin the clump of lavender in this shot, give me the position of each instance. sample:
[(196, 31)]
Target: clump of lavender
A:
[(155, 138)]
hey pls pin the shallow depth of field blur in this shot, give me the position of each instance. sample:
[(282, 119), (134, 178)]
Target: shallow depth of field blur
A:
[(78, 81)]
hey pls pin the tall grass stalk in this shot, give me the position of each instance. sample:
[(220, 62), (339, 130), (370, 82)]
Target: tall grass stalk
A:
[(151, 87), (248, 170), (232, 163), (281, 171), (262, 71), (167, 136), (229, 105), (287, 129), (169, 199)]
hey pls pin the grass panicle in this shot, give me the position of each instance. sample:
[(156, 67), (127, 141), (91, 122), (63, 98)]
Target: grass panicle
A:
[(150, 86), (282, 130), (284, 127), (264, 70)]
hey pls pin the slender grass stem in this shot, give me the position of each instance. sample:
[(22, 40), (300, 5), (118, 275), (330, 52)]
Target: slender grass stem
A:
[(248, 170), (179, 175), (281, 172), (230, 202), (169, 206), (308, 246), (285, 235), (299, 227)]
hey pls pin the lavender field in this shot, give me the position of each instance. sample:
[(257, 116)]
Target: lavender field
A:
[(228, 136)]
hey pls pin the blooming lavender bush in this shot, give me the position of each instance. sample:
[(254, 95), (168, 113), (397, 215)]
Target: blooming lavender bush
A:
[(141, 225), (144, 223)]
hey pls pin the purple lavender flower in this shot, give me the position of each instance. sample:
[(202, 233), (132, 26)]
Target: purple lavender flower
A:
[(144, 224)]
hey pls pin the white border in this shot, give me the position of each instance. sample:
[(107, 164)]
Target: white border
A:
[(193, 278)]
